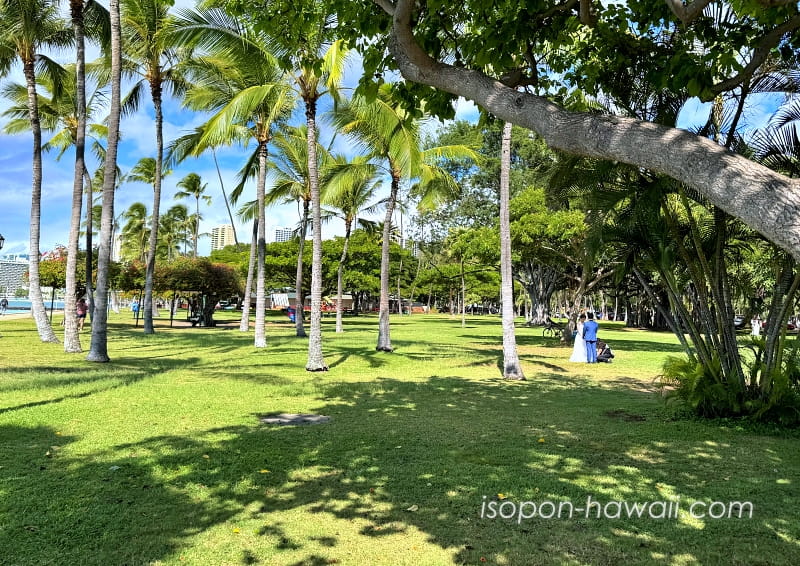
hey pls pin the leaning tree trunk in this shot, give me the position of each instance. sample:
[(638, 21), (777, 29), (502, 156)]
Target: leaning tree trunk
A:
[(511, 366), (763, 199), (244, 324), (299, 300), (339, 274), (225, 197), (261, 296), (155, 91), (98, 351), (384, 336), (38, 311), (72, 342), (316, 362)]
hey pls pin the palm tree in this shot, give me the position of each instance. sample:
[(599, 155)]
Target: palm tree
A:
[(98, 349), (193, 186), (98, 20), (314, 71), (293, 183), (389, 132), (350, 187), (151, 55), (511, 366), (135, 233), (173, 230), (60, 115), (28, 26), (240, 83)]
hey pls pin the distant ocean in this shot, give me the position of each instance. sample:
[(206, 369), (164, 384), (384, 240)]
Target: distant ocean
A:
[(25, 304)]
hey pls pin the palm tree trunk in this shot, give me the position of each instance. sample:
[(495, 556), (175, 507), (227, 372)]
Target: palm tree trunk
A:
[(339, 274), (38, 311), (511, 366), (72, 342), (89, 228), (244, 324), (196, 231), (463, 296), (316, 361), (299, 300), (384, 336), (155, 90), (225, 197), (261, 299), (98, 351)]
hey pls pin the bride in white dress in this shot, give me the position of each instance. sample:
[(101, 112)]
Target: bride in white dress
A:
[(579, 347)]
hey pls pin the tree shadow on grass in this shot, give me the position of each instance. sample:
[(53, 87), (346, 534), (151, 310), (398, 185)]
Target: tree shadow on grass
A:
[(401, 458), (57, 384)]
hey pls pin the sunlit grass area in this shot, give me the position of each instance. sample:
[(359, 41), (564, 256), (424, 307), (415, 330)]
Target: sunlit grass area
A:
[(160, 457)]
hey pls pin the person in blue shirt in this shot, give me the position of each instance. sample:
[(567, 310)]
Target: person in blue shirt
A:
[(590, 337)]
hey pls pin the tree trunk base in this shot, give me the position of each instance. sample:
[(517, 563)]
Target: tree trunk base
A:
[(97, 358), (514, 377), (301, 334), (320, 368), (384, 348)]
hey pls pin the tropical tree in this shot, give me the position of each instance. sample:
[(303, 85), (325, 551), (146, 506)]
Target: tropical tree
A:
[(98, 349), (293, 182), (388, 132), (151, 58), (60, 115), (175, 225), (27, 27), (351, 186), (239, 81), (135, 233), (493, 53), (511, 366), (97, 18), (192, 186)]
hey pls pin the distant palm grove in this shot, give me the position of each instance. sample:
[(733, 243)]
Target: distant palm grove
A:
[(453, 215)]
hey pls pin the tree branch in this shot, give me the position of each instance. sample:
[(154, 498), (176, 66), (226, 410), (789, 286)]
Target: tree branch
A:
[(760, 54), (387, 5), (765, 200), (687, 12)]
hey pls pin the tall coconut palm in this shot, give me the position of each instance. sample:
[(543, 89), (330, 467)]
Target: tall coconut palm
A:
[(98, 349), (303, 38), (293, 183), (192, 186), (239, 81), (62, 116), (151, 56), (26, 27), (390, 133), (317, 73), (97, 18), (173, 231), (135, 233), (351, 186), (511, 366)]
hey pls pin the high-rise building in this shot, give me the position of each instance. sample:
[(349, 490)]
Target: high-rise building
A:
[(283, 234), (222, 236)]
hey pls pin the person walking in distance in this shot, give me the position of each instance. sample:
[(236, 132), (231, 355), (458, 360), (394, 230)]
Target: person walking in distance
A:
[(80, 310), (590, 337)]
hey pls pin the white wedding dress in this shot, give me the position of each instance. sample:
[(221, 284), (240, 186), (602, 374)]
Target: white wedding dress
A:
[(579, 348)]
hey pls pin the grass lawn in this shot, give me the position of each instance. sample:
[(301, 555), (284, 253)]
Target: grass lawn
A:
[(160, 458)]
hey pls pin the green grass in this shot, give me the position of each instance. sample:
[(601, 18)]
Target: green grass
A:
[(159, 456)]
